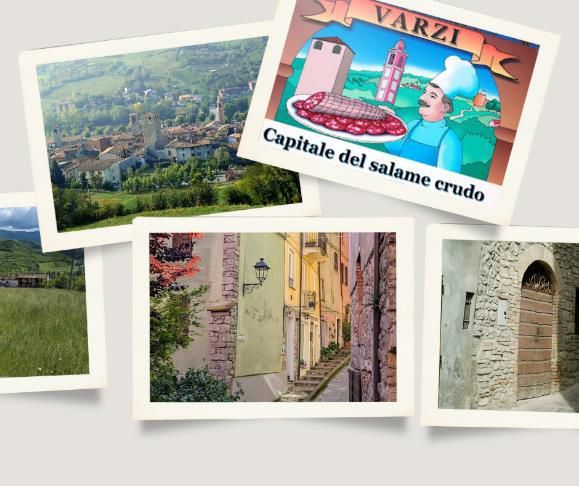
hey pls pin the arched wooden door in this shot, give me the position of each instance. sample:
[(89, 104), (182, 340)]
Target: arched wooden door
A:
[(535, 333)]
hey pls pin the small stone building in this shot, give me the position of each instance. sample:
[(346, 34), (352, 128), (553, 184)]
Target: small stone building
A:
[(509, 323), (372, 374)]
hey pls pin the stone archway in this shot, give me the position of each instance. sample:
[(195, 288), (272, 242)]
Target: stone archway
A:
[(535, 340)]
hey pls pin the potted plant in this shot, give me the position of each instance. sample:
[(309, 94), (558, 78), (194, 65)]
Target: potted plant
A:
[(347, 334)]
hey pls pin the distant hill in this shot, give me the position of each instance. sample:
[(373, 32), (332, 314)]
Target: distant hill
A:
[(20, 235), (18, 256), (203, 69)]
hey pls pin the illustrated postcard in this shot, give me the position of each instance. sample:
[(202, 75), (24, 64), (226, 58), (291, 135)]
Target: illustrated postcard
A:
[(149, 126), (501, 327), (302, 317), (413, 99)]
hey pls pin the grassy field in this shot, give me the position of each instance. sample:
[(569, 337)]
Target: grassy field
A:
[(197, 211), (106, 85), (42, 333), (129, 200)]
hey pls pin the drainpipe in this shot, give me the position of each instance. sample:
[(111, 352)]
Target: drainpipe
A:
[(320, 307), (376, 319), (300, 268)]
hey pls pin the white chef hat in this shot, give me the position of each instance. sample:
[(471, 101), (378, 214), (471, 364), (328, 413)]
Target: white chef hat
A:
[(459, 78)]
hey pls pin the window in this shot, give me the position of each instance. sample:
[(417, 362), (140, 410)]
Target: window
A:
[(318, 45), (336, 261), (336, 50), (387, 72), (576, 311), (400, 62), (291, 269), (345, 278), (396, 75), (390, 59), (467, 308)]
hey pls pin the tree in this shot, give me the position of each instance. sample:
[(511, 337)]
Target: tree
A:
[(174, 314), (493, 105), (168, 264), (269, 185), (96, 180), (56, 175), (223, 157)]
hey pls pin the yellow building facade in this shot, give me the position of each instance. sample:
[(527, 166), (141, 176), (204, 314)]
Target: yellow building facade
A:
[(313, 303)]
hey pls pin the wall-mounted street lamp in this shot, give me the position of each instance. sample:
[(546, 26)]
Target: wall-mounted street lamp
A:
[(261, 269)]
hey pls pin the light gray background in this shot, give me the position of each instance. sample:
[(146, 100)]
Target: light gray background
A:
[(88, 437)]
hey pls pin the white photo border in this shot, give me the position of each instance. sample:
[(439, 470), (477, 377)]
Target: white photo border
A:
[(144, 409), (95, 310), (431, 414), (504, 196), (52, 239)]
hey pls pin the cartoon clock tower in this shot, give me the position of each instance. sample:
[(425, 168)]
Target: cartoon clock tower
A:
[(392, 75)]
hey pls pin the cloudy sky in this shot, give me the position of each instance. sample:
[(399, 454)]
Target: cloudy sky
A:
[(18, 219)]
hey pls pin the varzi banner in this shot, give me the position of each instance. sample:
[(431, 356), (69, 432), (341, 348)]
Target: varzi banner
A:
[(416, 24), (413, 99)]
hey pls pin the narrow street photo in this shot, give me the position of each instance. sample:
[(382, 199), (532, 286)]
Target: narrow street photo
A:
[(272, 317)]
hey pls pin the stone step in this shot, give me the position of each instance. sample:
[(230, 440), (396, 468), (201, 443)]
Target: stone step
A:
[(307, 382)]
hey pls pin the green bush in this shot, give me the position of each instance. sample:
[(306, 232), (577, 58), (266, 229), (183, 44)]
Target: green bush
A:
[(194, 386), (235, 196), (347, 332)]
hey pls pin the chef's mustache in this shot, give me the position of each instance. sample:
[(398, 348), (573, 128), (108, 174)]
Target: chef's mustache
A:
[(423, 103)]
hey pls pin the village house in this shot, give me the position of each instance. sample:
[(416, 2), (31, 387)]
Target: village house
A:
[(372, 373), (331, 292), (24, 280), (179, 151), (110, 168), (241, 338), (509, 322)]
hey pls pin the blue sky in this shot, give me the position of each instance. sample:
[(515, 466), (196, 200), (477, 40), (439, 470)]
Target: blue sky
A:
[(18, 219), (371, 44)]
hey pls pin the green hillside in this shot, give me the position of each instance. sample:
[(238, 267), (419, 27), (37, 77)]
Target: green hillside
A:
[(26, 256), (202, 69)]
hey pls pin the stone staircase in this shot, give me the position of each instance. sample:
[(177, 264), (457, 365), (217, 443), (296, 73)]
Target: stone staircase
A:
[(316, 378)]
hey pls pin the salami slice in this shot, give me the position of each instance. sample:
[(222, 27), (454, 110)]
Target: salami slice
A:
[(338, 105)]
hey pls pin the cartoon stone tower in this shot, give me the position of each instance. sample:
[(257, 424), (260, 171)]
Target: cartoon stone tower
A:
[(392, 75), (219, 110), (326, 68), (152, 134)]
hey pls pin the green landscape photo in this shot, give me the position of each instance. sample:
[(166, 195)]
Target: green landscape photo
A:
[(43, 318), (155, 133)]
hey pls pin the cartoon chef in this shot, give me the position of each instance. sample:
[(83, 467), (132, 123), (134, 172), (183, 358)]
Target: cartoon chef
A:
[(430, 140)]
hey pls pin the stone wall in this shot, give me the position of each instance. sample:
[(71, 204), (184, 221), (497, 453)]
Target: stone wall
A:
[(362, 298), (495, 344), (223, 321)]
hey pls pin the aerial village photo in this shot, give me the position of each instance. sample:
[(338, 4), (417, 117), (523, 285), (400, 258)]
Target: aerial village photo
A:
[(272, 317), (43, 313), (155, 133), (509, 336)]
